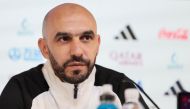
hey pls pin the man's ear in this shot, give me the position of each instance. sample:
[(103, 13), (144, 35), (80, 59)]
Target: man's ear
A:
[(99, 40), (43, 47)]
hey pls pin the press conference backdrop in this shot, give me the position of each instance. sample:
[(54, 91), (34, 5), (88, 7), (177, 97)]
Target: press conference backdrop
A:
[(147, 40)]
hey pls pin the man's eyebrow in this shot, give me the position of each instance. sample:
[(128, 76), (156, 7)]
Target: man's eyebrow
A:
[(88, 32), (61, 34)]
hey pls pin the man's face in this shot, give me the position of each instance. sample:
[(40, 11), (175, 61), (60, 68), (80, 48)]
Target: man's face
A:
[(72, 45), (74, 75)]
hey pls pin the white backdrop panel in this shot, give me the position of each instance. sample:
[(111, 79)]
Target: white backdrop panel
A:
[(156, 60)]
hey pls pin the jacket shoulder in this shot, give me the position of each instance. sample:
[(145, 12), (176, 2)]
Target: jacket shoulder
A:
[(22, 88), (115, 78), (32, 81), (106, 75)]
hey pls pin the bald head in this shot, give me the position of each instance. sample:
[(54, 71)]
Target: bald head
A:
[(67, 14)]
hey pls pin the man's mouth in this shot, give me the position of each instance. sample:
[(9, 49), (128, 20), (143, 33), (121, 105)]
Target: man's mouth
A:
[(76, 65)]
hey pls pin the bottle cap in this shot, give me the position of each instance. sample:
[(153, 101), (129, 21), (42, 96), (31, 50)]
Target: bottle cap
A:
[(107, 97)]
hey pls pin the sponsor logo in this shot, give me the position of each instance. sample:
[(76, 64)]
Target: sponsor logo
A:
[(179, 34), (25, 54), (175, 89), (127, 58), (174, 62), (126, 34), (25, 28)]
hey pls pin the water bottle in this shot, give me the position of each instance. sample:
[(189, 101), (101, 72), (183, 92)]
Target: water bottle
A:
[(131, 99), (107, 99)]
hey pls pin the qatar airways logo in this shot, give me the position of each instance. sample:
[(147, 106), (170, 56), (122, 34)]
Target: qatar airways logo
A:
[(179, 34), (127, 58)]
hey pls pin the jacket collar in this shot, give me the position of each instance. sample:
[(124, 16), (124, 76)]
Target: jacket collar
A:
[(64, 89)]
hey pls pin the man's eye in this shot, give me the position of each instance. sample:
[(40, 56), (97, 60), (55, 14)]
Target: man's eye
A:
[(64, 39), (86, 37)]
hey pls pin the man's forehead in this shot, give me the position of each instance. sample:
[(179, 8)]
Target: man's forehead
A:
[(66, 12)]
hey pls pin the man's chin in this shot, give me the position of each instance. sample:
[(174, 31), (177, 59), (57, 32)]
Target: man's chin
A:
[(75, 80), (76, 76)]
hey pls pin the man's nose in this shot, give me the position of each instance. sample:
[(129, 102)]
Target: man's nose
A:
[(76, 48)]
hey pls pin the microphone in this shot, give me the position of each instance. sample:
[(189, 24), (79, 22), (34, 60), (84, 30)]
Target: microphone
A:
[(141, 89)]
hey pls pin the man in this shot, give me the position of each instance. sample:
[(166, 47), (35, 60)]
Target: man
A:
[(69, 79)]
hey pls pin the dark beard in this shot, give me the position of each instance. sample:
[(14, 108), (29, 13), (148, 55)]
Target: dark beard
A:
[(60, 70)]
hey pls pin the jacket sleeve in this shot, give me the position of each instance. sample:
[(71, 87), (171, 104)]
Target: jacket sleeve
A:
[(11, 96)]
